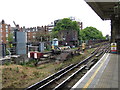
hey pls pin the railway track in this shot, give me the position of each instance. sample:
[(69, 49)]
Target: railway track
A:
[(65, 78)]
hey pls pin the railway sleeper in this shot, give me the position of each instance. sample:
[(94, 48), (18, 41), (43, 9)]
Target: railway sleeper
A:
[(83, 72), (38, 84), (90, 65), (61, 85), (98, 54)]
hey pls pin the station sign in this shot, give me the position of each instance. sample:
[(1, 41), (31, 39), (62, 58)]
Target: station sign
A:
[(113, 47)]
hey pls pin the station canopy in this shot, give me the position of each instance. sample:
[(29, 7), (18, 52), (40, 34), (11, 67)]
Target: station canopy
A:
[(104, 8)]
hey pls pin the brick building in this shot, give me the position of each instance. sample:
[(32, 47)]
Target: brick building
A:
[(4, 31), (34, 32), (68, 36)]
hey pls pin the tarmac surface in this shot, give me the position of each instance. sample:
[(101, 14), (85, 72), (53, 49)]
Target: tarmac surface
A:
[(104, 74)]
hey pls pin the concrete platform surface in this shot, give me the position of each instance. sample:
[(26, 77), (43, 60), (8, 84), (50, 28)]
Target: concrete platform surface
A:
[(104, 74)]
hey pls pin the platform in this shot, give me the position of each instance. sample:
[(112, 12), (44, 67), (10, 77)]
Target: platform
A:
[(104, 74)]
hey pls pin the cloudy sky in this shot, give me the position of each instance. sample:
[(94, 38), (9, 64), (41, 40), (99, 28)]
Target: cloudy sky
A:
[(31, 13)]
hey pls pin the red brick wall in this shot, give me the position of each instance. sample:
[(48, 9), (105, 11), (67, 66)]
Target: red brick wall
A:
[(4, 32)]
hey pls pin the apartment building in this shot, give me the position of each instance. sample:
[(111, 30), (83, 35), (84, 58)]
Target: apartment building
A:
[(4, 31), (31, 33), (50, 27), (34, 32)]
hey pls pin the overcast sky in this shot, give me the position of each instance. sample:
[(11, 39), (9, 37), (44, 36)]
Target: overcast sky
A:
[(31, 13)]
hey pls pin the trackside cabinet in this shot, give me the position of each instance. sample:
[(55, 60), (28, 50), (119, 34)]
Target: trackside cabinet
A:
[(38, 55), (31, 54)]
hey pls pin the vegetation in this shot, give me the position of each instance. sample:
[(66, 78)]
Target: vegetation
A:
[(10, 37), (31, 63), (65, 24), (22, 76), (10, 40), (90, 33)]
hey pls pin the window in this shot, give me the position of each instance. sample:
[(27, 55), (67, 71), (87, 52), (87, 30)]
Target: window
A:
[(1, 26), (33, 36), (6, 26), (6, 35), (6, 29)]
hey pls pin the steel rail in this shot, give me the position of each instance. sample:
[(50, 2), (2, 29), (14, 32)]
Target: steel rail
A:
[(56, 76), (38, 84), (70, 77)]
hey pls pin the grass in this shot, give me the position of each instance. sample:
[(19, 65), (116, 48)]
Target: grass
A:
[(7, 63), (29, 64), (59, 66), (74, 48), (42, 67), (24, 75), (17, 76)]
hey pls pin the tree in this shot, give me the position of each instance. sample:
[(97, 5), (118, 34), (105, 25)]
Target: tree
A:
[(90, 33), (65, 24), (10, 39)]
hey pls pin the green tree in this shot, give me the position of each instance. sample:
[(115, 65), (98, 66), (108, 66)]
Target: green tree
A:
[(90, 33), (10, 40), (65, 24), (10, 37)]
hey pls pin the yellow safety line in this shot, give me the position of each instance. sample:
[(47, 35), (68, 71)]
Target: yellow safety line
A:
[(90, 80)]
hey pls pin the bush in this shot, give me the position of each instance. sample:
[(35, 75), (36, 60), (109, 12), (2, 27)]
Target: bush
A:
[(31, 63), (7, 63)]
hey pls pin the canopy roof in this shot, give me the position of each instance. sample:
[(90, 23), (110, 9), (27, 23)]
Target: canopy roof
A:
[(103, 9)]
